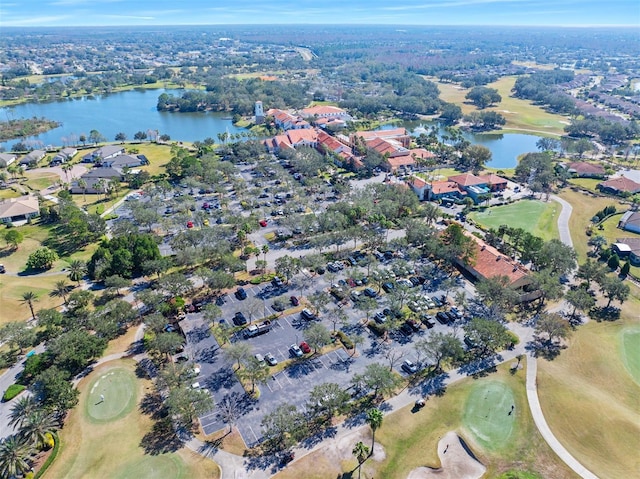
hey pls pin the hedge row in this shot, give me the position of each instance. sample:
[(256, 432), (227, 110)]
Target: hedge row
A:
[(12, 391), (50, 459), (344, 339)]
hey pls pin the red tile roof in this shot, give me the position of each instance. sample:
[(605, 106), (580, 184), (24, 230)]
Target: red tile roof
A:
[(621, 184), (443, 187), (489, 263), (467, 179), (493, 179), (303, 135), (323, 110), (585, 168), (404, 160), (417, 182)]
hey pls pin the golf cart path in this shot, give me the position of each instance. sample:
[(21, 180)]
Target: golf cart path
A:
[(532, 369)]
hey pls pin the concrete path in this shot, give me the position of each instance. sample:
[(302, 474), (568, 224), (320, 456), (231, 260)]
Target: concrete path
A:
[(563, 220), (543, 427)]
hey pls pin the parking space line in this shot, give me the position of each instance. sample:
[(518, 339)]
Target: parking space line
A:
[(254, 434)]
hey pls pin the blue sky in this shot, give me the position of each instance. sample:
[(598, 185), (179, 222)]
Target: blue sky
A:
[(395, 12)]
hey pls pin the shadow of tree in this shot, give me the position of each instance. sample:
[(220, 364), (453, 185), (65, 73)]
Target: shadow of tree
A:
[(543, 348), (161, 439), (605, 314), (151, 405)]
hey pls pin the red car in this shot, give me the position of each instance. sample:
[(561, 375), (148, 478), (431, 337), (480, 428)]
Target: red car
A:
[(305, 347), (294, 301), (189, 224), (263, 223)]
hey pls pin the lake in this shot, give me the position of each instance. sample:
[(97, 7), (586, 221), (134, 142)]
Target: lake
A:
[(505, 147), (127, 112), (135, 110)]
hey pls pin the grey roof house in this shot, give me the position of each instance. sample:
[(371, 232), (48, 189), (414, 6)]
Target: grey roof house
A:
[(19, 209)]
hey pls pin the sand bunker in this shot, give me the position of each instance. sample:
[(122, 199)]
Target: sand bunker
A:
[(457, 462)]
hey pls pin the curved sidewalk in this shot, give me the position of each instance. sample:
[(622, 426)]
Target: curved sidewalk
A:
[(543, 427)]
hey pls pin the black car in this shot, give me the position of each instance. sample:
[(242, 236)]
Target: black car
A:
[(241, 293), (406, 329), (239, 319), (428, 321), (442, 317), (320, 270), (388, 287)]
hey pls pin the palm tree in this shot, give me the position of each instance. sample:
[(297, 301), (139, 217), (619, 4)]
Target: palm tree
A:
[(37, 426), (60, 290), (83, 184), (374, 419), (24, 406), (361, 452), (14, 457), (77, 269), (265, 250), (29, 297)]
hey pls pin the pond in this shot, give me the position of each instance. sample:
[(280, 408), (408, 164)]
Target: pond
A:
[(127, 112)]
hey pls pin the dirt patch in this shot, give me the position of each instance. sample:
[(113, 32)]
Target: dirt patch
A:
[(457, 461)]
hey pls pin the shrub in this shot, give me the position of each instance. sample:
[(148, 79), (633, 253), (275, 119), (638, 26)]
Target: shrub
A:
[(50, 459), (12, 391), (377, 329), (344, 339)]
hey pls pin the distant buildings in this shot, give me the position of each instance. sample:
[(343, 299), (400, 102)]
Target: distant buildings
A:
[(103, 153), (583, 169), (630, 221), (7, 159), (32, 158), (63, 156)]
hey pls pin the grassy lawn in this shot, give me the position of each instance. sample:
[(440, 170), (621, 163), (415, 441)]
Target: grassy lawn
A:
[(410, 438), (536, 217), (587, 183), (158, 156), (584, 208), (40, 180), (15, 282), (631, 352), (7, 193), (590, 399), (521, 115), (488, 414), (113, 446)]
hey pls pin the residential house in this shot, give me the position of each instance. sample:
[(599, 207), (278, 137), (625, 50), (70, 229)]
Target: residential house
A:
[(619, 186), (14, 210), (92, 180), (32, 158), (124, 161), (104, 172), (628, 247), (104, 153), (63, 156), (7, 159), (630, 221), (584, 169)]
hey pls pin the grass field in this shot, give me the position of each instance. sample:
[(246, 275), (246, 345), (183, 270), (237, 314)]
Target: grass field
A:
[(630, 342), (587, 183), (536, 217), (40, 180), (410, 438), (111, 396), (590, 399), (488, 414), (521, 115), (111, 446)]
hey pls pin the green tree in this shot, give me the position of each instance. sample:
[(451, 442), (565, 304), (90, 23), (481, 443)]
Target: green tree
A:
[(438, 347), (15, 457), (18, 334), (254, 371), (488, 335), (374, 420), (613, 262), (626, 267), (238, 352), (186, 403), (13, 237), (317, 336), (319, 301), (37, 425), (591, 271), (21, 409), (166, 344), (116, 283), (29, 297), (557, 257), (615, 289), (284, 425), (77, 270), (377, 376), (580, 299), (482, 97), (42, 258), (553, 326), (361, 453), (327, 398), (497, 291), (475, 157), (73, 350), (60, 290), (55, 389), (287, 266)]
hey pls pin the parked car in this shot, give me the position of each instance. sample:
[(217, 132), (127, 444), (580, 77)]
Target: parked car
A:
[(436, 301), (294, 301), (189, 224), (442, 317), (240, 319), (370, 292), (388, 287), (260, 358), (379, 317), (406, 329), (263, 223), (270, 359), (409, 367), (308, 315), (306, 349), (295, 351), (241, 294), (414, 325)]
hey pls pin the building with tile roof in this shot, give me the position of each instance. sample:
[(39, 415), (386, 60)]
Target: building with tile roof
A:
[(584, 169), (619, 186), (14, 210)]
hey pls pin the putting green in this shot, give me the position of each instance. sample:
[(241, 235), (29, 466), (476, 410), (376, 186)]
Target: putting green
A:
[(166, 466), (631, 352), (112, 395), (487, 413)]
